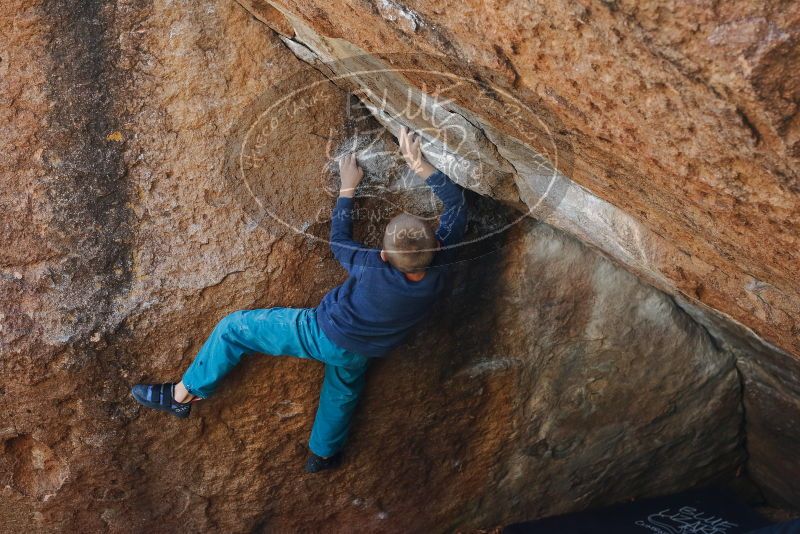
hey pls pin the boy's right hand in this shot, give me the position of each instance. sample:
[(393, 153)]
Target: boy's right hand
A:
[(351, 175), (412, 153)]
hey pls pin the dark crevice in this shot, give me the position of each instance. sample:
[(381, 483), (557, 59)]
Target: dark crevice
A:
[(721, 347), (747, 123)]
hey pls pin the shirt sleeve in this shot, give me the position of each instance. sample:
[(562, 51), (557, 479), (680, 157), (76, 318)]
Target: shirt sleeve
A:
[(453, 221), (353, 255)]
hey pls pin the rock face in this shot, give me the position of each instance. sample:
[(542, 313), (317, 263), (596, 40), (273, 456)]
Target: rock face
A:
[(148, 194), (665, 136), (669, 114)]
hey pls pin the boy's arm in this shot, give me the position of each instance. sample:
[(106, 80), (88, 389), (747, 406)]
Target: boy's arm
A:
[(351, 254), (453, 221)]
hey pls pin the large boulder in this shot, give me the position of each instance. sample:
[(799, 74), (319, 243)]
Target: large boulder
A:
[(666, 135)]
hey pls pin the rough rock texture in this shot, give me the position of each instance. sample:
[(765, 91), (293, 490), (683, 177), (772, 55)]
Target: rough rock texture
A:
[(128, 230), (665, 135), (682, 116)]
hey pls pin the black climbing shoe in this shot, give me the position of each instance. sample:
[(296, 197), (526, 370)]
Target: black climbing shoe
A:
[(315, 463), (161, 397)]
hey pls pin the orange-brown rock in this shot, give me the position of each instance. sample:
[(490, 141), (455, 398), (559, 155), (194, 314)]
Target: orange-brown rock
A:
[(675, 130), (682, 116)]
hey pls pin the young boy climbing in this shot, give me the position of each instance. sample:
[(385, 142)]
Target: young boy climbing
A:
[(388, 292)]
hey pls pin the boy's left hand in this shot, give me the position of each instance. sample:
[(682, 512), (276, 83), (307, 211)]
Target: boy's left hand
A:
[(351, 175)]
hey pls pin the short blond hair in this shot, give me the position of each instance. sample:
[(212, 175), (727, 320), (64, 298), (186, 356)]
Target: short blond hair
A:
[(409, 243)]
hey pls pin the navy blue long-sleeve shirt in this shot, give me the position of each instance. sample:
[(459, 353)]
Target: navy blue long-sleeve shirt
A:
[(377, 306)]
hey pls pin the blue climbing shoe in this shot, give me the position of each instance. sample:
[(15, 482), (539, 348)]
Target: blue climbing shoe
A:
[(161, 397), (315, 463)]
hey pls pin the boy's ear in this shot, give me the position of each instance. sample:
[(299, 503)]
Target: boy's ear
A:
[(383, 256)]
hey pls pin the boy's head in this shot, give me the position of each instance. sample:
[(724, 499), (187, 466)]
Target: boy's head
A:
[(409, 243)]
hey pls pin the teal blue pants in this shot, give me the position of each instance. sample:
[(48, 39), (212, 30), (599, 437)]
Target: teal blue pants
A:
[(289, 332)]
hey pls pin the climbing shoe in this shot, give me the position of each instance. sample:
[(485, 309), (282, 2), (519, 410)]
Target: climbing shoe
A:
[(161, 397), (315, 463)]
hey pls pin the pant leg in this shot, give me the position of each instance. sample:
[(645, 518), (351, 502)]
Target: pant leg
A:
[(291, 332), (341, 389), (274, 331)]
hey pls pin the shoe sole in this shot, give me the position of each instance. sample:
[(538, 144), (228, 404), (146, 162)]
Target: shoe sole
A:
[(155, 406), (333, 465)]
